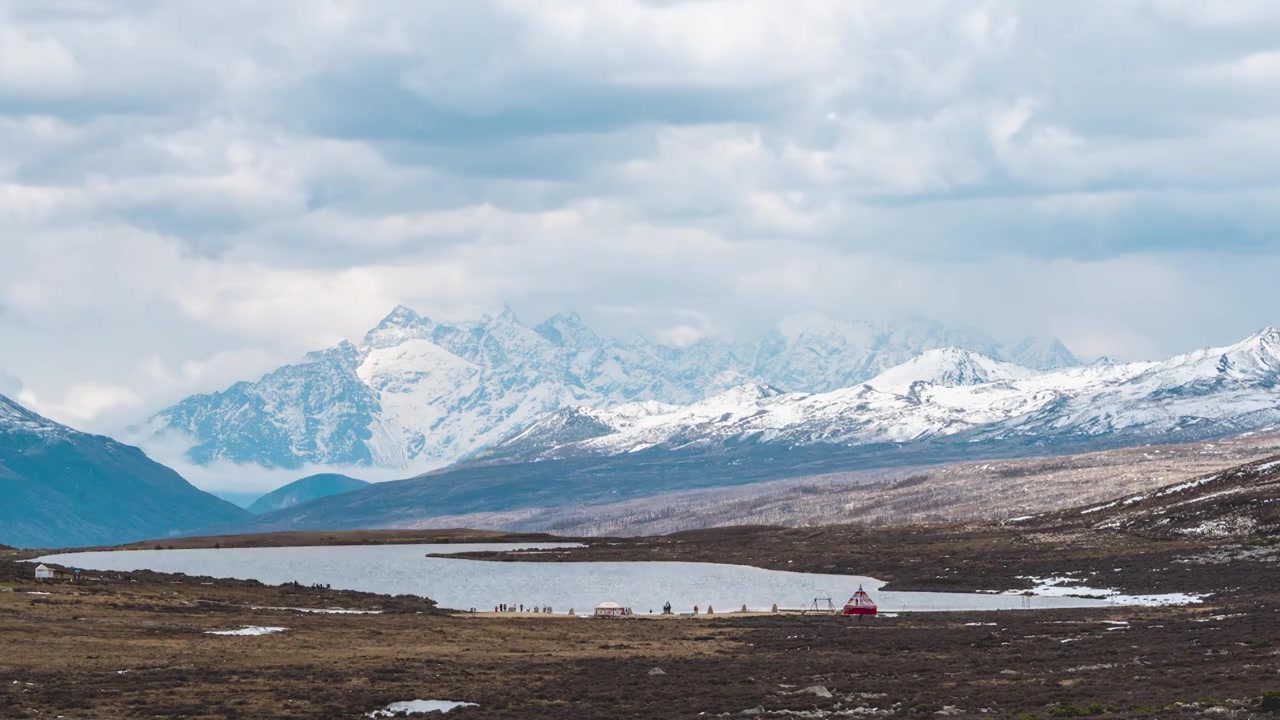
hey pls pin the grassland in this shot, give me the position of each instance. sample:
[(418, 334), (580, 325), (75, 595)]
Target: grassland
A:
[(136, 644)]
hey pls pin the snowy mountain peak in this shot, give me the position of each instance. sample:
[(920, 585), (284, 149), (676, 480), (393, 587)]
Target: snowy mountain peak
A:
[(950, 366), (744, 394), (506, 317), (1257, 355), (816, 325), (1254, 360), (1266, 340), (16, 417), (568, 331), (1042, 353), (401, 325)]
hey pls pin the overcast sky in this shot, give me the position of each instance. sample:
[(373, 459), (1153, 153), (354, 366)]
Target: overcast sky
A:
[(194, 192)]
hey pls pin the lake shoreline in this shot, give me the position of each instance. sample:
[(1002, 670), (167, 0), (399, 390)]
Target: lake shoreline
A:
[(110, 648)]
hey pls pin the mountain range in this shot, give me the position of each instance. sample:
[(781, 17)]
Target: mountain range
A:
[(64, 488), (942, 406), (943, 393), (417, 394)]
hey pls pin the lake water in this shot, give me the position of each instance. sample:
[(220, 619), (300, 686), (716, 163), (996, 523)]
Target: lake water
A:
[(463, 584)]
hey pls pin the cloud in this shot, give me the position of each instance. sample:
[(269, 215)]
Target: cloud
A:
[(10, 385), (191, 195)]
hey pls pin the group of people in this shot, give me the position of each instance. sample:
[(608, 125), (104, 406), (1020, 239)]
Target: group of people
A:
[(505, 607)]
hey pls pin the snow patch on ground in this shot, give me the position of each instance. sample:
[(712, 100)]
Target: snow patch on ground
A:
[(1221, 527), (250, 630), (1097, 508), (320, 611), (1067, 587), (415, 707), (1186, 486)]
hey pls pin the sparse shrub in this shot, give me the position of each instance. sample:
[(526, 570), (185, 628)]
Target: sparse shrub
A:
[(1270, 701)]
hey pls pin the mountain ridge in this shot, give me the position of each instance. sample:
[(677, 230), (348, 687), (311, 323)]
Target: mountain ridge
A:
[(1213, 391), (304, 490), (417, 394), (586, 456), (61, 488)]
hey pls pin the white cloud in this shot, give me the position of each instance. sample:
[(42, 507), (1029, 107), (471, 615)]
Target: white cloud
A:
[(1255, 68), (38, 66), (85, 402), (190, 194)]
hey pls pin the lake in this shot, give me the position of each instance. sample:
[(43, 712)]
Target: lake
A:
[(463, 584)]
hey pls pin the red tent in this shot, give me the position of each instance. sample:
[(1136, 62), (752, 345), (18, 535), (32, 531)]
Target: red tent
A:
[(860, 604)]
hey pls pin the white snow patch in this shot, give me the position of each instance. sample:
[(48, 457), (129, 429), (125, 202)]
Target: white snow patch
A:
[(1062, 587), (319, 611), (250, 630), (1186, 486), (415, 707)]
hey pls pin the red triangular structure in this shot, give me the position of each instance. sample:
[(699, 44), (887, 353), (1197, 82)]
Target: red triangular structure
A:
[(860, 604)]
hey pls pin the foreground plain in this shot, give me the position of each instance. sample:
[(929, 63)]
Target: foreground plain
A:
[(136, 644)]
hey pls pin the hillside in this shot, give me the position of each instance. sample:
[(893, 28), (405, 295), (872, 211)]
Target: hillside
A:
[(305, 490), (63, 488), (1239, 501)]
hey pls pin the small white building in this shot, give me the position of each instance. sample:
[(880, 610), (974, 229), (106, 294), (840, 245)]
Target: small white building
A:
[(611, 609), (44, 573)]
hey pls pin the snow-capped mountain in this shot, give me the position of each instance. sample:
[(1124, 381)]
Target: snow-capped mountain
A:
[(817, 354), (948, 366), (14, 417), (930, 414), (942, 394), (417, 394)]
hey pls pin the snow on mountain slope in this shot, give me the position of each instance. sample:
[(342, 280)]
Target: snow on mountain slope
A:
[(14, 417), (1214, 391), (1041, 354), (817, 354), (948, 366), (316, 411), (1207, 393), (418, 394)]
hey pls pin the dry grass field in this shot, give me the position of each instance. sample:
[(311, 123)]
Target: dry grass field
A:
[(136, 645)]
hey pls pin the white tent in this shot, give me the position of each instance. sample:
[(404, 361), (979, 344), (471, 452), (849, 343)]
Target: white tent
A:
[(610, 609), (43, 572)]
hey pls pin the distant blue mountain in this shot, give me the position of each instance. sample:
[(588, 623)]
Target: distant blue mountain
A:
[(63, 488), (304, 491)]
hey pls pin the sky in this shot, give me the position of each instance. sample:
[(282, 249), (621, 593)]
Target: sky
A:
[(193, 193)]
